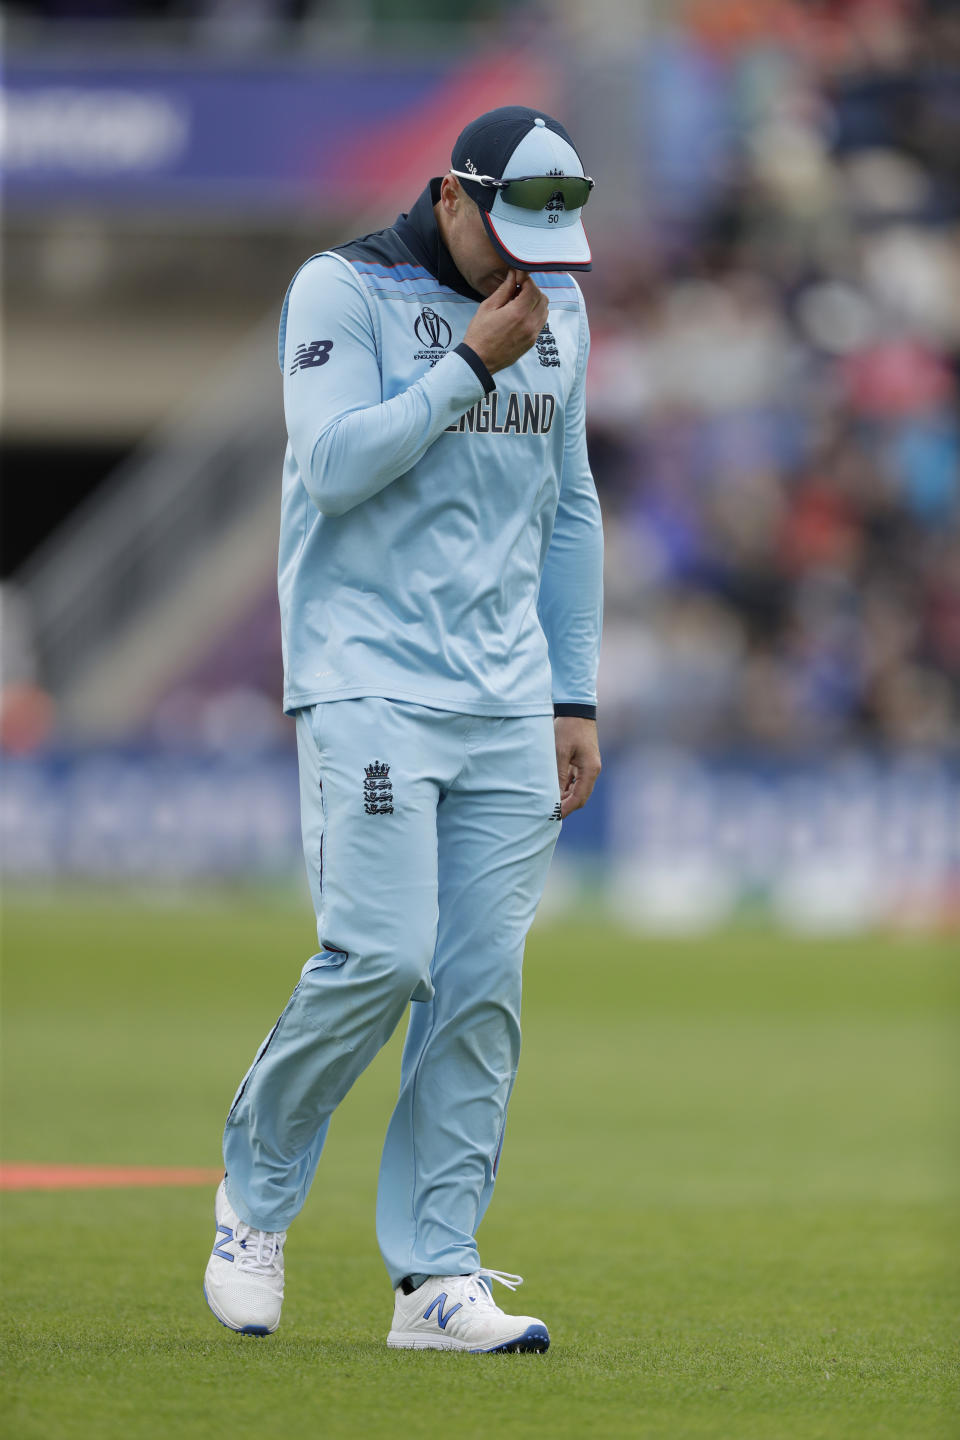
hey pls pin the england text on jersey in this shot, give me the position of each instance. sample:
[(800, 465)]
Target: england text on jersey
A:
[(521, 412)]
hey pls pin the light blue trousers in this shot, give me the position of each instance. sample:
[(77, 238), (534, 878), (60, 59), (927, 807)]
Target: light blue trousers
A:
[(427, 837)]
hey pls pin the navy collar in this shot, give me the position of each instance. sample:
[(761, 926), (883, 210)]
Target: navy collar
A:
[(419, 233)]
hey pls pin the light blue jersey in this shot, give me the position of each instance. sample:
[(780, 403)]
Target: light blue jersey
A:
[(440, 537)]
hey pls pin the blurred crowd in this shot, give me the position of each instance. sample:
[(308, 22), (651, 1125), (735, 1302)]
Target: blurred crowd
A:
[(774, 384), (230, 25)]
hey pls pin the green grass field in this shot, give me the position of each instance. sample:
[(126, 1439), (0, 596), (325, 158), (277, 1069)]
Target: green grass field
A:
[(730, 1179)]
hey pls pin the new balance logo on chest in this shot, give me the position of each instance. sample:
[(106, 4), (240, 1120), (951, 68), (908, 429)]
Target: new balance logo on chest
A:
[(514, 414)]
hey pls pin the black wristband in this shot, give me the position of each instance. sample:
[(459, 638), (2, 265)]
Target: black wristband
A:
[(581, 712), (477, 366)]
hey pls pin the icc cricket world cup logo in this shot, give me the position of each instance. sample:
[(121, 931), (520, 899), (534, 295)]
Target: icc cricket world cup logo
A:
[(432, 330)]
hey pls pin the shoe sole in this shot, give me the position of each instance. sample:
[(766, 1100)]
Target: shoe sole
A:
[(534, 1340), (238, 1329)]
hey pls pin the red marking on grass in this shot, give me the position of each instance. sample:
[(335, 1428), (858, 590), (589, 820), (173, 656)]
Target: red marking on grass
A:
[(99, 1177)]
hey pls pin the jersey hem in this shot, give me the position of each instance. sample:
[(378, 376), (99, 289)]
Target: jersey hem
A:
[(497, 708)]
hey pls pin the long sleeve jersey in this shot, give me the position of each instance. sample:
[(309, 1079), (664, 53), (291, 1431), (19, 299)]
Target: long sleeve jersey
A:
[(440, 533)]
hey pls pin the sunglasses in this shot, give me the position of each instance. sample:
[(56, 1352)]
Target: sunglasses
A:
[(534, 192)]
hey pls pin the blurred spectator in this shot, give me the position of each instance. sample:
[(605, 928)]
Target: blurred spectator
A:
[(26, 711), (774, 399)]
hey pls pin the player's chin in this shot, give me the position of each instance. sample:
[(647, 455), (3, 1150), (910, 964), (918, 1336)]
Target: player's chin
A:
[(492, 282)]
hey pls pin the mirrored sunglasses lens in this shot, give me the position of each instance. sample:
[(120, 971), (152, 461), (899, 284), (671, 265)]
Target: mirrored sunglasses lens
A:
[(536, 193)]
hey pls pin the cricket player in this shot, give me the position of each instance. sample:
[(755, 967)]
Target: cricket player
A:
[(440, 592)]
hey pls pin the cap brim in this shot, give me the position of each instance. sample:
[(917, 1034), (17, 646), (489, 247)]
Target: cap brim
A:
[(531, 247)]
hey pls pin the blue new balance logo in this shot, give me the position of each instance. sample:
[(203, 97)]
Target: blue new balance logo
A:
[(438, 1305), (308, 357), (218, 1249)]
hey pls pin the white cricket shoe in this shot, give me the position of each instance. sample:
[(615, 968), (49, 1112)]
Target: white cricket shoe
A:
[(458, 1312), (243, 1284)]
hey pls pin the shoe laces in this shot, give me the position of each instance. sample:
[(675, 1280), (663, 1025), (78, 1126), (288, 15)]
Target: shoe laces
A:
[(481, 1280), (261, 1249)]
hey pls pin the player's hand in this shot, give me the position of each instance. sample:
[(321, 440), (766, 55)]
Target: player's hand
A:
[(508, 321), (578, 760)]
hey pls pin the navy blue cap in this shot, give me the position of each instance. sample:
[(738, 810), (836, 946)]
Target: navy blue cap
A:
[(506, 144)]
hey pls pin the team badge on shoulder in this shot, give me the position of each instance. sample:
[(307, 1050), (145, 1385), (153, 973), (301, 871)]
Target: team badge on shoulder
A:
[(378, 789)]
